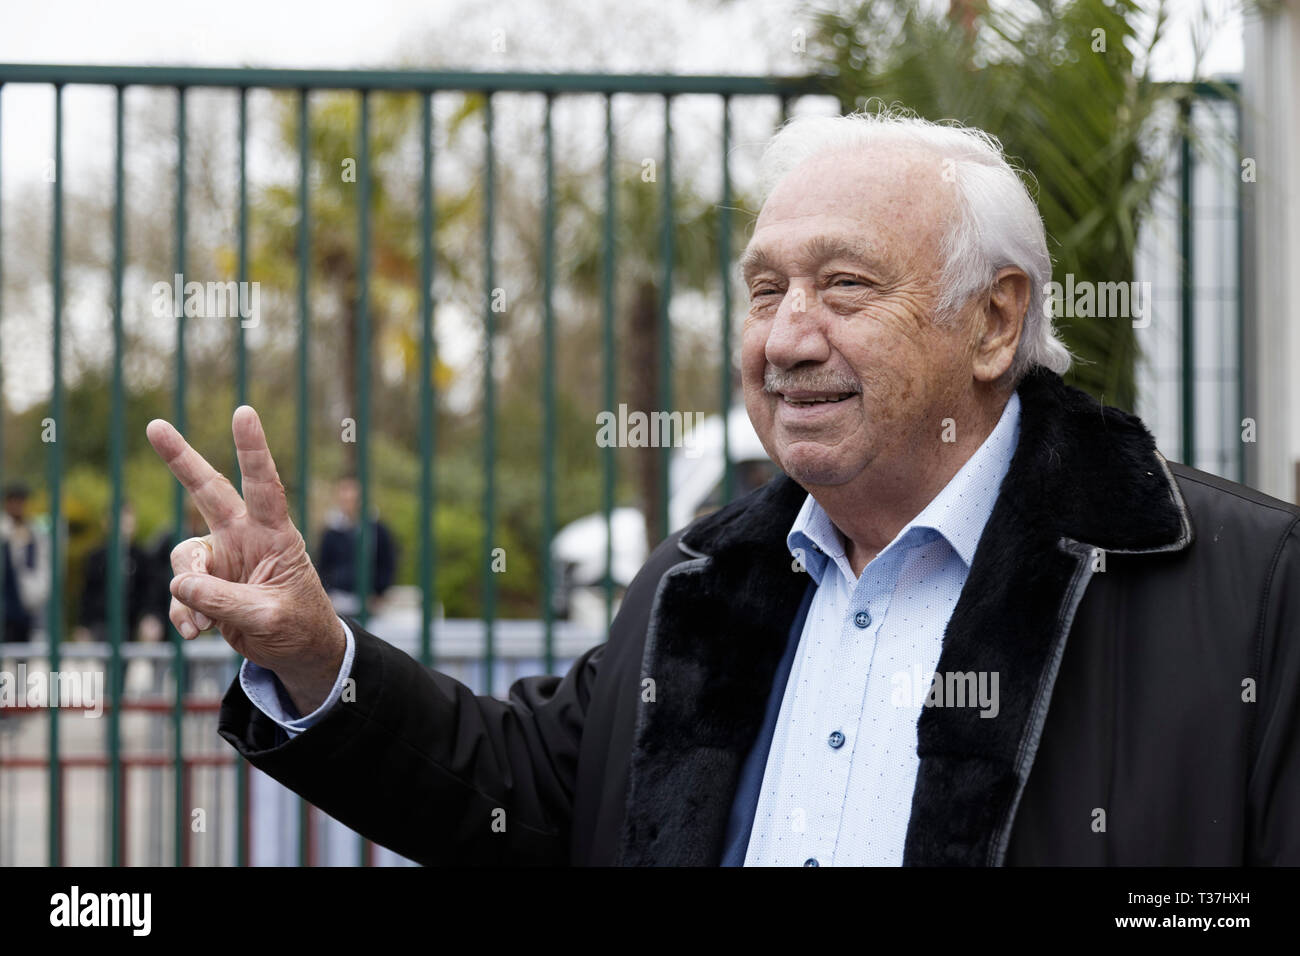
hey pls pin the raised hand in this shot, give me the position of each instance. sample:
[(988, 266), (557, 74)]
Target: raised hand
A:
[(251, 576)]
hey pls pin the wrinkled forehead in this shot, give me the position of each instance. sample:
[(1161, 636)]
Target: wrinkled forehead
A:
[(897, 198)]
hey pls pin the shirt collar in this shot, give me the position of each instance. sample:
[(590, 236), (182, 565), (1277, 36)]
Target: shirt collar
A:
[(958, 512)]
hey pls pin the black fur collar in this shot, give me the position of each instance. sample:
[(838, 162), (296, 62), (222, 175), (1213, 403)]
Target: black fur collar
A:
[(1083, 477), (1095, 470)]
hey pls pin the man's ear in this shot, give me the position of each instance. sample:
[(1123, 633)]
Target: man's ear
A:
[(1000, 324)]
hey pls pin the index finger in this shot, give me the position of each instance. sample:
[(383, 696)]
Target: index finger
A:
[(214, 495)]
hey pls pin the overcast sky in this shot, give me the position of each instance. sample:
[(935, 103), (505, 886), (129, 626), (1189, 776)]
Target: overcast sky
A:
[(344, 33)]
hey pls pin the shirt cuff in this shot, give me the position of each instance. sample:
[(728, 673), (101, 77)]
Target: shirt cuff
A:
[(268, 695)]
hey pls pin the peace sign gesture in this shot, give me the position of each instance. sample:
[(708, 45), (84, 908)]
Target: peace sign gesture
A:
[(251, 575)]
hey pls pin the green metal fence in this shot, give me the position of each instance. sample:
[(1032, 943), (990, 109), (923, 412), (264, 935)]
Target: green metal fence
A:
[(363, 84)]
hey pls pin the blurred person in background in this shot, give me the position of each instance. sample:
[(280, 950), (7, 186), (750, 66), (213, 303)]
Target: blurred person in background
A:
[(158, 571), (141, 623), (338, 550), (28, 548), (17, 623)]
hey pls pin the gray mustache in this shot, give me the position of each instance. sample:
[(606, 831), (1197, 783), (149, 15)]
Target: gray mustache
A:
[(808, 380)]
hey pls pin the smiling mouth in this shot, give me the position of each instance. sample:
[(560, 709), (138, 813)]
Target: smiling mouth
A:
[(799, 400)]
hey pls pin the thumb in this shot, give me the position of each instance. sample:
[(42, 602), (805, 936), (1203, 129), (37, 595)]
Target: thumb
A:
[(224, 602)]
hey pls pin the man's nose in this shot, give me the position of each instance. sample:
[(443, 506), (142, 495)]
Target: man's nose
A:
[(797, 333)]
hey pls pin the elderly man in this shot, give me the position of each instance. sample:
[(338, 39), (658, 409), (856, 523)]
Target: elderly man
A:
[(981, 622)]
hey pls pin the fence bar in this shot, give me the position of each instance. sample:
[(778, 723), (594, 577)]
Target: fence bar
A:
[(428, 356), (724, 264), (364, 542), (55, 478), (116, 608), (179, 524), (607, 343), (489, 403), (665, 321), (3, 552), (242, 835), (415, 80), (304, 316), (365, 537), (1187, 306), (548, 395), (1240, 317), (304, 407), (241, 351)]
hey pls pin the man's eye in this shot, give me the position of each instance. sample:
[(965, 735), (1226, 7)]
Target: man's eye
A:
[(841, 281), (759, 293)]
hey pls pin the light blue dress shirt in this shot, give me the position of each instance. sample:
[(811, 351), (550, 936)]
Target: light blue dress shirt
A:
[(268, 695), (837, 786)]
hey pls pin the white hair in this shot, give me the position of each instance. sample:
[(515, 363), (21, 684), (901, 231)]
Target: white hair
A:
[(997, 223)]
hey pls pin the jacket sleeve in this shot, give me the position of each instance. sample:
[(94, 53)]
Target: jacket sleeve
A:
[(420, 764), (1273, 791)]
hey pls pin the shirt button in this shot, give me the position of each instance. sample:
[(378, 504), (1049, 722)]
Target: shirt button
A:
[(811, 862), (862, 619), (836, 740)]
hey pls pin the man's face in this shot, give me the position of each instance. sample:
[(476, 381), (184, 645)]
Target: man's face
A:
[(349, 497), (842, 273), (16, 507), (127, 524)]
